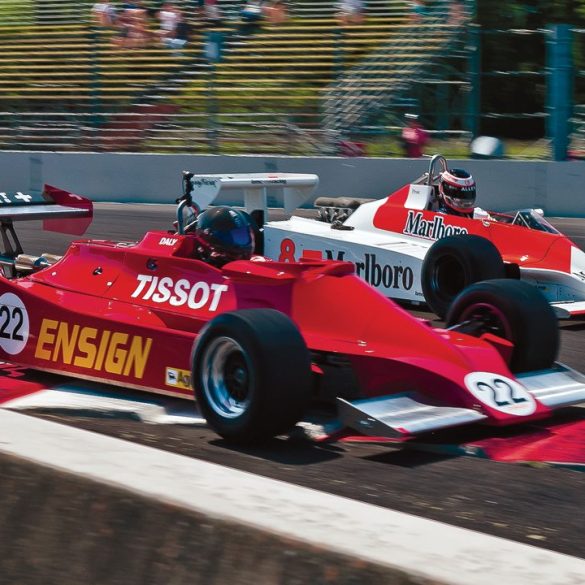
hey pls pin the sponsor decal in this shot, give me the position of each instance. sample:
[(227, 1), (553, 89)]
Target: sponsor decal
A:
[(4, 198), (178, 378), (378, 275), (87, 347), (500, 393), (168, 241), (430, 230), (197, 295), (269, 181), (14, 324), (204, 182)]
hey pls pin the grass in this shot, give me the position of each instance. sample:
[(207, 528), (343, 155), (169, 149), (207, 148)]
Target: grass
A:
[(16, 12), (457, 148), (378, 147)]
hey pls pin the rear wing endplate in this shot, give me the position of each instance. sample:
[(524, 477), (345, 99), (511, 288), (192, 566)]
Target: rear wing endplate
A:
[(61, 211), (296, 187)]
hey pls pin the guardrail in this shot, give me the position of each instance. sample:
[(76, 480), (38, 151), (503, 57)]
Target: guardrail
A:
[(556, 187)]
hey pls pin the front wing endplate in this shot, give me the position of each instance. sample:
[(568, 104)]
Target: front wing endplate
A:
[(400, 415)]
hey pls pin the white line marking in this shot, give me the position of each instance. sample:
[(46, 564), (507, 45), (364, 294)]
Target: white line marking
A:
[(421, 547), (72, 399)]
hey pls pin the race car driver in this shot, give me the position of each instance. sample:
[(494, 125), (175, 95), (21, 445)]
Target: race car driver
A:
[(223, 235), (455, 193)]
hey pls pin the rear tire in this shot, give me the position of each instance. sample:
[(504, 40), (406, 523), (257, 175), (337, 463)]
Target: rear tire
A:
[(251, 374), (514, 310), (455, 262)]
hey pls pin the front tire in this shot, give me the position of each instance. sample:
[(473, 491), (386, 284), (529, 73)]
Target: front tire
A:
[(455, 262), (514, 310), (251, 374)]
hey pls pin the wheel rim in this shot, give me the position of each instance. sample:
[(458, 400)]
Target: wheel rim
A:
[(487, 318), (448, 278), (225, 377)]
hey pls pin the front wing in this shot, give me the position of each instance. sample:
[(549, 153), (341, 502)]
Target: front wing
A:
[(407, 414)]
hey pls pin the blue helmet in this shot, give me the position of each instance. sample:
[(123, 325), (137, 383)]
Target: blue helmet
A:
[(224, 234)]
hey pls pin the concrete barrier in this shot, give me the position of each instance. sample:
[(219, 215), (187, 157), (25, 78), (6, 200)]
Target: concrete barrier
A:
[(56, 527), (557, 187), (79, 507)]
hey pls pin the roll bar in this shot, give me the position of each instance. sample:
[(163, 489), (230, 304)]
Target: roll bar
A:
[(437, 160)]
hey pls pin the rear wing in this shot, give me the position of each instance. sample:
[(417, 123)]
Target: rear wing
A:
[(296, 187), (61, 211)]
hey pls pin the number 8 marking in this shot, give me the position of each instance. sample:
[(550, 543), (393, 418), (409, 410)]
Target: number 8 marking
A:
[(287, 251)]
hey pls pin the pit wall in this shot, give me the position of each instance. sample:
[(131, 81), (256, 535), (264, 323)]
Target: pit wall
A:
[(556, 187)]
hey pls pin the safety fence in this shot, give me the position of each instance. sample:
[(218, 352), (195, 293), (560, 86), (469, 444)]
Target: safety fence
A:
[(283, 90), (162, 132)]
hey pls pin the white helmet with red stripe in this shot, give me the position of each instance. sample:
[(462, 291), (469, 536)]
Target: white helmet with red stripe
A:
[(457, 190)]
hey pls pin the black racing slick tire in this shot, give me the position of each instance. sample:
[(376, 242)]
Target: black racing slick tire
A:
[(251, 374), (514, 310), (455, 262)]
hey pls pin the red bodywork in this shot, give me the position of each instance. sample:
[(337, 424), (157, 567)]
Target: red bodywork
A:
[(518, 245), (128, 314)]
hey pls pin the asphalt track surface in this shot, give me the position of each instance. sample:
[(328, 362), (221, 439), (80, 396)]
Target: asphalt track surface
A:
[(539, 504)]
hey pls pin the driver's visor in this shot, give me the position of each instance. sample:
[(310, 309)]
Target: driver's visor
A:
[(464, 195)]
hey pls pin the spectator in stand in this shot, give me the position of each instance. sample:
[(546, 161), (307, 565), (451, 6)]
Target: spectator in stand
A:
[(276, 11), (120, 39), (418, 9), (212, 14), (200, 8), (104, 13), (414, 137), (132, 26), (456, 12), (350, 12), (252, 11), (251, 16), (138, 33), (175, 29), (168, 17)]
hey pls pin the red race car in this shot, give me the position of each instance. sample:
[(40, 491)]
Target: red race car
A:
[(257, 340)]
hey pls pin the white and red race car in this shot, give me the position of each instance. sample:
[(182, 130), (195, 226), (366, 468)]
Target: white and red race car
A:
[(412, 253)]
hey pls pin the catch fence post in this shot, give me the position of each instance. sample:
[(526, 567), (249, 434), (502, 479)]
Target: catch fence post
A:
[(213, 53), (559, 88), (96, 88), (474, 67)]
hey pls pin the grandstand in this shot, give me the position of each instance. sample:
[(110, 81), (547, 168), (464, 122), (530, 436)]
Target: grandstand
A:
[(64, 84)]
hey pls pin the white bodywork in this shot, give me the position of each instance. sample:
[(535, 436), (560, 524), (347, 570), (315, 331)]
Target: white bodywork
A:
[(297, 188), (390, 263)]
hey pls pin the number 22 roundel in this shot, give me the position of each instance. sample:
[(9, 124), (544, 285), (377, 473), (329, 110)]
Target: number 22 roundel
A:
[(501, 393), (14, 324)]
